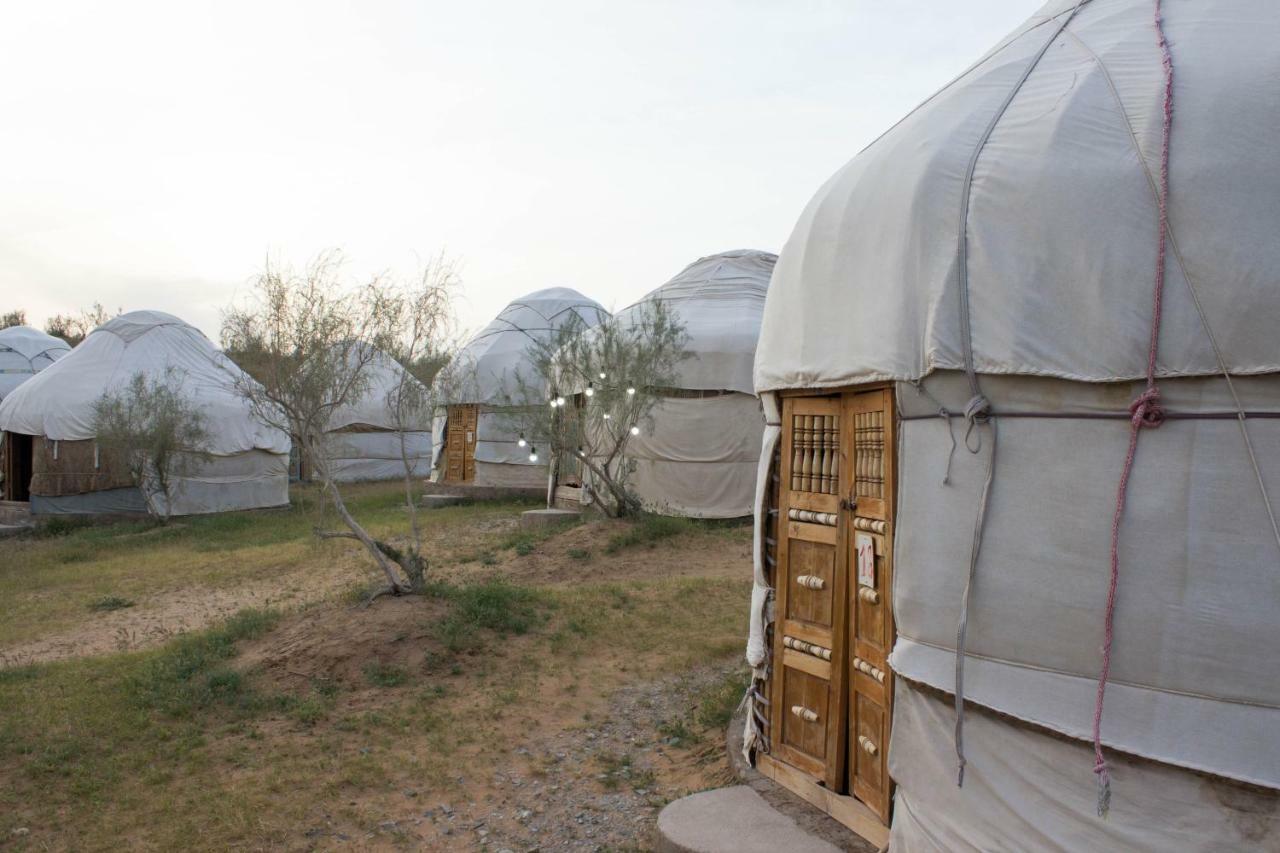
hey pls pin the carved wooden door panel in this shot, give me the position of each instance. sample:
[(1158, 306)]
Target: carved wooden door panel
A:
[(460, 444), (810, 586), (869, 415)]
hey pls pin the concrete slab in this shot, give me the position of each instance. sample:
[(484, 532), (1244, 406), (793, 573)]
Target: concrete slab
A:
[(732, 820), (548, 517), (437, 501)]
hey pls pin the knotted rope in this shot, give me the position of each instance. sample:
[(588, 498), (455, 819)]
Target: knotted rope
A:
[(1145, 413)]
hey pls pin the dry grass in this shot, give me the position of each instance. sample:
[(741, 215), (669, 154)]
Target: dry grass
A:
[(245, 734)]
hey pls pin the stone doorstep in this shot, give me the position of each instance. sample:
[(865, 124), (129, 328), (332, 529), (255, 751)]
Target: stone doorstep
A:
[(732, 820), (437, 501), (547, 517)]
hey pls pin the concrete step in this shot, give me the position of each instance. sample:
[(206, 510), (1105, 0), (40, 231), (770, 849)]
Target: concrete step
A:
[(548, 517), (732, 820), (15, 512), (437, 501), (14, 529)]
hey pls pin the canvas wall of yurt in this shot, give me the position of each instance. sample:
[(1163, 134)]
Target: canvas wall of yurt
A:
[(698, 452), (24, 352), (387, 430), (246, 464), (477, 442), (1016, 505)]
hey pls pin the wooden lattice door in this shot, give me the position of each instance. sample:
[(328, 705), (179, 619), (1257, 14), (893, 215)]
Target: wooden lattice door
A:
[(808, 665), (869, 415), (460, 443)]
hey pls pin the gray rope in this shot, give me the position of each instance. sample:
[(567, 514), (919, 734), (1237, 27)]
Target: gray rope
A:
[(978, 410), (946, 418)]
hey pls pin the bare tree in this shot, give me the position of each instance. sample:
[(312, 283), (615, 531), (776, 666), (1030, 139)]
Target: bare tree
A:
[(74, 328), (306, 341), (13, 318), (589, 390), (156, 430), (421, 321)]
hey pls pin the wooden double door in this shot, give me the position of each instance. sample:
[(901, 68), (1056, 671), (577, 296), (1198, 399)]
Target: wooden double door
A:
[(832, 687), (460, 443)]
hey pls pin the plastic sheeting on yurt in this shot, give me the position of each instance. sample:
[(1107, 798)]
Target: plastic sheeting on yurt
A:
[(477, 442), (366, 440), (992, 263), (249, 460), (699, 453), (24, 352)]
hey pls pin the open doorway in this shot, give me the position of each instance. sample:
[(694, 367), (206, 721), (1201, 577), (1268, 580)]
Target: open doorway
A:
[(17, 466)]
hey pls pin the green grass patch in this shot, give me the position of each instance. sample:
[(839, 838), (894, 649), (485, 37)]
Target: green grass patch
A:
[(110, 602), (648, 530), (496, 607), (385, 675)]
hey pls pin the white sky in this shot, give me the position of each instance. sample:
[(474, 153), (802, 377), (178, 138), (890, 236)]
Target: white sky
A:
[(155, 152)]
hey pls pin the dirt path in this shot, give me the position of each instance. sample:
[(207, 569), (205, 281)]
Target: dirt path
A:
[(564, 786), (159, 618)]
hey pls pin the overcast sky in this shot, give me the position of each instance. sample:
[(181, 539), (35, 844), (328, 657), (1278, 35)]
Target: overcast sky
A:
[(155, 152)]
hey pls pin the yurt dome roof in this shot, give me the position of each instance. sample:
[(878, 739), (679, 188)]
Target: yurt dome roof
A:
[(382, 375), (24, 352), (1046, 212), (31, 343), (498, 351), (58, 402), (720, 300)]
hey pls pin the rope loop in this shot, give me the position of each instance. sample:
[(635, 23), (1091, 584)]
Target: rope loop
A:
[(976, 411), (1146, 411)]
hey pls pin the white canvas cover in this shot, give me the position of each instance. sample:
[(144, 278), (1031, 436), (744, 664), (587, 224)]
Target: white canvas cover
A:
[(24, 352), (58, 403), (1059, 252), (698, 456), (486, 371), (366, 440)]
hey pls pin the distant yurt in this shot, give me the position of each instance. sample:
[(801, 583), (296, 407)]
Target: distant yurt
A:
[(367, 440), (477, 443), (698, 455), (48, 422), (24, 352), (1016, 519)]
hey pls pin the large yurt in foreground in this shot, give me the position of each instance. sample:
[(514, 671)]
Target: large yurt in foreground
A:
[(697, 455), (49, 419), (1016, 507), (24, 352), (385, 431), (477, 443)]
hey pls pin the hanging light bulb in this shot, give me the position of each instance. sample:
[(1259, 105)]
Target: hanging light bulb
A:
[(602, 374), (635, 430), (630, 391), (521, 442), (591, 389), (553, 402), (559, 401), (607, 416), (533, 454)]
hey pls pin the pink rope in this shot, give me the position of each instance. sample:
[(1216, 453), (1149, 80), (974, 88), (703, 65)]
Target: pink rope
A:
[(1145, 412)]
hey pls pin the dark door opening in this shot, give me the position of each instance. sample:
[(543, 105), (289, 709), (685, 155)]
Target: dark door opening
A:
[(17, 466)]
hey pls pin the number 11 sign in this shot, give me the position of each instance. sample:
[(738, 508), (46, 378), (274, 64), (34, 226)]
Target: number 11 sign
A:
[(865, 547)]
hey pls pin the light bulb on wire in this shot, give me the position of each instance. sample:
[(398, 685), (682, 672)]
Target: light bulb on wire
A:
[(591, 389), (635, 430), (559, 401), (607, 416), (533, 454), (521, 442), (631, 391), (602, 374)]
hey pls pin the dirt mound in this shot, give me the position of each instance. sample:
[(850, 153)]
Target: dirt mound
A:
[(343, 643)]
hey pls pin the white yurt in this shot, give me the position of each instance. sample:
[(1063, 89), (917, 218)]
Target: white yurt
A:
[(51, 415), (1016, 507), (477, 443), (698, 455), (24, 352), (367, 440)]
